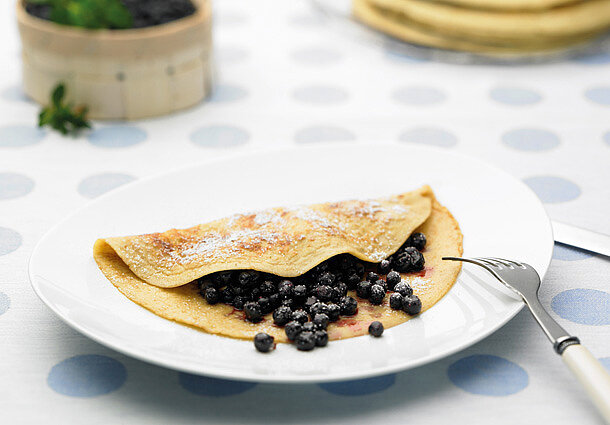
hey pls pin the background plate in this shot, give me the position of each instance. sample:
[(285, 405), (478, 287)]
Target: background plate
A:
[(498, 214)]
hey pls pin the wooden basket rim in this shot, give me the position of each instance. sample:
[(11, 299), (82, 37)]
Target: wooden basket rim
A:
[(201, 16)]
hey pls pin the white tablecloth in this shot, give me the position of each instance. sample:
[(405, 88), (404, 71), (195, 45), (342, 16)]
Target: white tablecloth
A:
[(289, 78)]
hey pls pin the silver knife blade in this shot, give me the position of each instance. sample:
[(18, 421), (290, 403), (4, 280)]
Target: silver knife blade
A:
[(581, 238)]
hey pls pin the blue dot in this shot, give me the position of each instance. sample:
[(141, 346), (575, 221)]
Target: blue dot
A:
[(227, 93), (15, 94), (551, 189), (9, 240), (584, 306), (317, 56), (429, 136), (530, 139), (119, 136), (13, 185), (599, 95), (5, 303), (601, 58), (220, 136), (605, 362), (212, 387), (361, 386), (607, 138), (485, 374), (321, 134), (88, 375), (16, 136), (99, 184), (232, 54), (320, 95), (568, 253), (419, 96), (515, 96)]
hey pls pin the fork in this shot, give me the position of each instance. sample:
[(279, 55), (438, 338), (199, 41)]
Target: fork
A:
[(525, 281)]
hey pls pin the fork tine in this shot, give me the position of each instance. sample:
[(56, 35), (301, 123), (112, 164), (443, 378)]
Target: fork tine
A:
[(505, 263), (509, 262), (488, 261)]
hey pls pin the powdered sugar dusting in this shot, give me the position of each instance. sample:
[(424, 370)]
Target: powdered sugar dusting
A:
[(280, 230)]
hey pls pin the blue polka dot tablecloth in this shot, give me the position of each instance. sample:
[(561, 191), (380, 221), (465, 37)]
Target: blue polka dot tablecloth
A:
[(288, 77)]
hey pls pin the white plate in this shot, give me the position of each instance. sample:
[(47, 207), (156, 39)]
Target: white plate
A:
[(498, 214)]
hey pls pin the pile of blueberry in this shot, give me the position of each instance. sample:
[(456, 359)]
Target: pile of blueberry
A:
[(145, 13), (306, 304)]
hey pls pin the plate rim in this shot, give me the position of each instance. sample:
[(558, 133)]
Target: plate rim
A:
[(131, 350)]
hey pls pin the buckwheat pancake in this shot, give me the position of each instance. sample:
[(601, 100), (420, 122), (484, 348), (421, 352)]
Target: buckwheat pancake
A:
[(369, 230), (401, 26), (508, 5), (560, 23)]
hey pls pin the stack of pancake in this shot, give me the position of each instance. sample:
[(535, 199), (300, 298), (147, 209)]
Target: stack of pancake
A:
[(488, 26)]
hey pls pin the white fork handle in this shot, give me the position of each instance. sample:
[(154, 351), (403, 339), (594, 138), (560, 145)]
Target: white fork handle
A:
[(592, 375)]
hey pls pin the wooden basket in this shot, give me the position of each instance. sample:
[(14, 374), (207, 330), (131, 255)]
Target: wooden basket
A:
[(120, 74)]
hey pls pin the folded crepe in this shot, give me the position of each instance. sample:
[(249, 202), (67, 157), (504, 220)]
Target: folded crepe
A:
[(158, 270)]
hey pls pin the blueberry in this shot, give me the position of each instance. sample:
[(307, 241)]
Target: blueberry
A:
[(248, 277), (372, 276), (352, 280), (392, 278), (417, 241), (359, 267), (396, 301), (384, 267), (309, 302), (300, 316), (221, 279), (293, 329), (255, 294), (377, 294), (321, 320), (227, 295), (338, 292), (282, 315), (309, 327), (326, 278), (264, 304), (411, 305), (267, 287), (403, 289), (376, 329), (318, 308), (333, 312), (363, 289), (402, 262), (323, 292), (381, 283), (305, 341), (212, 295), (321, 338), (275, 300), (253, 311), (288, 302), (285, 289), (417, 259), (349, 306), (263, 342), (299, 292), (239, 301)]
